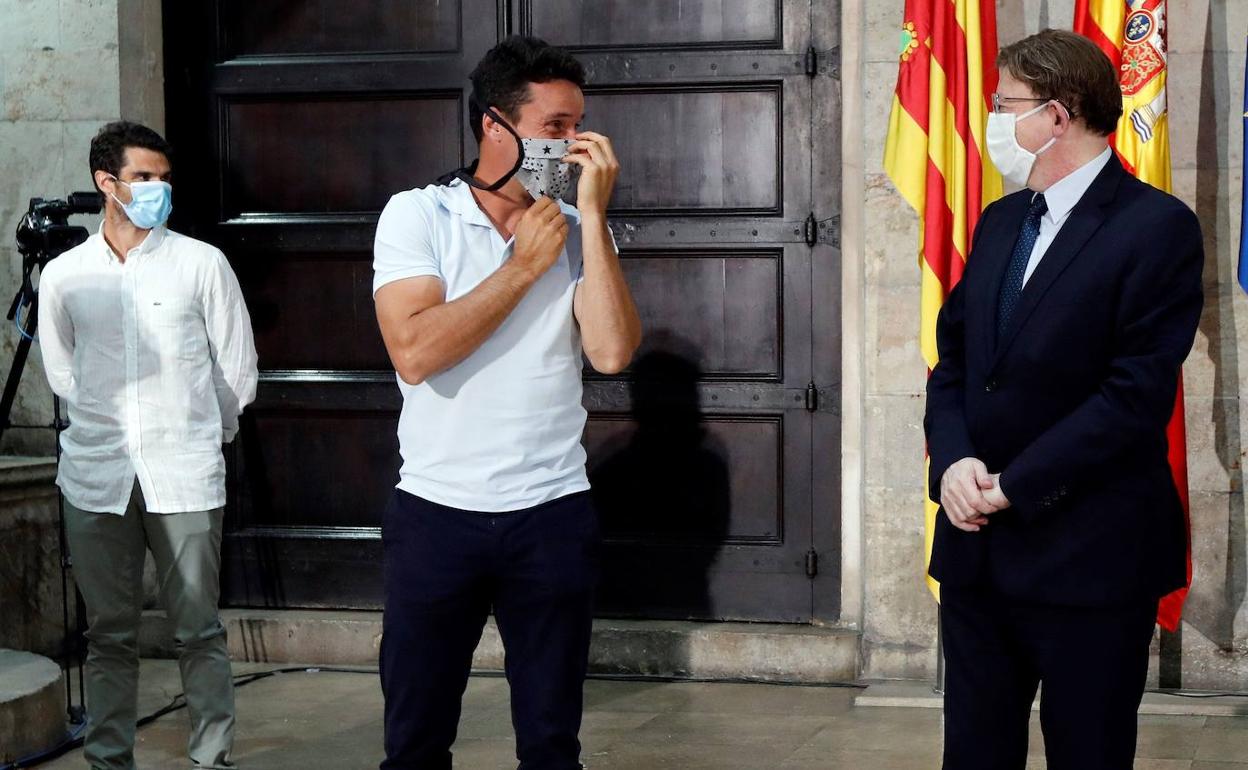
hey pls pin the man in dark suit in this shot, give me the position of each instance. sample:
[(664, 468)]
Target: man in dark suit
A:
[(1060, 353)]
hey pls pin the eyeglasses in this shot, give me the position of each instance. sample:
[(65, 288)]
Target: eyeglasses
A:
[(997, 100)]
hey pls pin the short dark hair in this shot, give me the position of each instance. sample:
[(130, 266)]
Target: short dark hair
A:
[(1062, 65), (502, 77), (108, 148)]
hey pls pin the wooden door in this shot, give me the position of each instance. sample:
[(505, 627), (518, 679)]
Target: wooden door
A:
[(294, 121)]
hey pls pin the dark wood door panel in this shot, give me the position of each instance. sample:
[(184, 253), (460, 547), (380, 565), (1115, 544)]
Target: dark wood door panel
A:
[(671, 474), (335, 154), (725, 307), (313, 569), (310, 468), (691, 584), (285, 27), (654, 23), (709, 149), (312, 311), (675, 569)]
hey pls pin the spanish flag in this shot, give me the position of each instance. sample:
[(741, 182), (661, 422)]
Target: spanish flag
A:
[(936, 154), (1132, 33)]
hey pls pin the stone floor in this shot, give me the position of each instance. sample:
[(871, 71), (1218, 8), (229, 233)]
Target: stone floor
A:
[(303, 720)]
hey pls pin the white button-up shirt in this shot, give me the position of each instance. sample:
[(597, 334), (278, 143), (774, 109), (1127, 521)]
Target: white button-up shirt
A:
[(1061, 198), (155, 359)]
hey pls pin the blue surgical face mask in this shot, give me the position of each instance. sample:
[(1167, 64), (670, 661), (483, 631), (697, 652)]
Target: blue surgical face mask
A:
[(150, 203)]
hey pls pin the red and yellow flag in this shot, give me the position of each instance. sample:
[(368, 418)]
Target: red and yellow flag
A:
[(936, 154), (1132, 33)]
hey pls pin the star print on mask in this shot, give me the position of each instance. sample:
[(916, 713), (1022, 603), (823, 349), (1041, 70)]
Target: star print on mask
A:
[(545, 175)]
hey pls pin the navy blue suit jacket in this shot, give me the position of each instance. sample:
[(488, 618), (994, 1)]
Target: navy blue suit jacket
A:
[(1071, 404)]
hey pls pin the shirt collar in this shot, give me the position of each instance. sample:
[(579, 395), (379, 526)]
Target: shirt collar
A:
[(155, 237), (458, 199), (1063, 194)]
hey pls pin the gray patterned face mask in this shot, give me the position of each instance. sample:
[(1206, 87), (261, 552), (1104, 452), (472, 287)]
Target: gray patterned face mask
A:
[(541, 172)]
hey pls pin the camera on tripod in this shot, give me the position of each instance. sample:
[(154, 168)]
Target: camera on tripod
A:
[(43, 234)]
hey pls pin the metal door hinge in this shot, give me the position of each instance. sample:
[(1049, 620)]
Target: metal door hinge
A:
[(811, 230), (826, 62), (812, 398), (812, 563)]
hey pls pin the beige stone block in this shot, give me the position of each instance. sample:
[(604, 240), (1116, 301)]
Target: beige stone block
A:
[(878, 89), (89, 23), (1205, 99), (1017, 19), (894, 363), (1218, 556), (1200, 25), (1215, 194), (1214, 368), (899, 607), (891, 236), (61, 85), (882, 36), (1188, 26), (76, 138), (29, 25), (894, 440), (1214, 445), (896, 661), (32, 163)]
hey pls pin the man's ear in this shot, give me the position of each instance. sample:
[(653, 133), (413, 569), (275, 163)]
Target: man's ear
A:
[(103, 178), (491, 128), (1064, 120)]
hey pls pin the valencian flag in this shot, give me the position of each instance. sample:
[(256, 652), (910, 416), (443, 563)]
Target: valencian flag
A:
[(1132, 33), (936, 154)]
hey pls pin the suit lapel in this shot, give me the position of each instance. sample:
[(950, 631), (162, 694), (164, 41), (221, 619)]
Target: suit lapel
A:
[(1084, 220), (993, 254)]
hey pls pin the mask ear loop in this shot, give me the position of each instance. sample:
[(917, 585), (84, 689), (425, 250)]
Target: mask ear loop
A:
[(468, 173), (1053, 140)]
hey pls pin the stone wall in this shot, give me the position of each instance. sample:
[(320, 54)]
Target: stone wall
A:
[(66, 68), (31, 591), (1207, 39)]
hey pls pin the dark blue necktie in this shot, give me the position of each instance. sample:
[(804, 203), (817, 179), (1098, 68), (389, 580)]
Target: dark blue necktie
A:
[(1012, 285)]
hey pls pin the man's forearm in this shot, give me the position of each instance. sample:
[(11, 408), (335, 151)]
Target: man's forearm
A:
[(610, 326), (441, 336)]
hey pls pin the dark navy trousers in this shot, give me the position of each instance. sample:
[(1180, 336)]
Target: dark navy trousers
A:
[(445, 569)]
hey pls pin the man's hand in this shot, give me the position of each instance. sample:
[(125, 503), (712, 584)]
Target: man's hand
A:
[(963, 495), (599, 169), (540, 237), (995, 495)]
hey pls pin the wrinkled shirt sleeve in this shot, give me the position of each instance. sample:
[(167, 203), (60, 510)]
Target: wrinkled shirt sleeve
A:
[(232, 345), (56, 340)]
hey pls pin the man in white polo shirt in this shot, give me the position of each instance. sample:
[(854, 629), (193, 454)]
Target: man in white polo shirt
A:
[(488, 290)]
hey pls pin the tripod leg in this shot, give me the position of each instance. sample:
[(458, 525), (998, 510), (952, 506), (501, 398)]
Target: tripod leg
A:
[(15, 370)]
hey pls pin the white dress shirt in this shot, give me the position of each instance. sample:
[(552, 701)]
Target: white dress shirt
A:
[(155, 359), (1061, 198), (500, 430)]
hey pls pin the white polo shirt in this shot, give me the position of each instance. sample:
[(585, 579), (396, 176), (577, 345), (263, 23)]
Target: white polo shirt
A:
[(501, 430)]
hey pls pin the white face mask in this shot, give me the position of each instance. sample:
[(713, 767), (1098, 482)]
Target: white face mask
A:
[(1012, 159), (542, 173)]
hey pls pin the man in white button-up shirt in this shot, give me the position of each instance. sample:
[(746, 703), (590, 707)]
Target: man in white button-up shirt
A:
[(145, 335)]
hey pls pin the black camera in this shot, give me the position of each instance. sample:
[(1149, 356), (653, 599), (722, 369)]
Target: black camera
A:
[(45, 232)]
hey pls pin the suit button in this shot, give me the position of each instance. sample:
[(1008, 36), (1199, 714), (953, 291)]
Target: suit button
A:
[(990, 386)]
